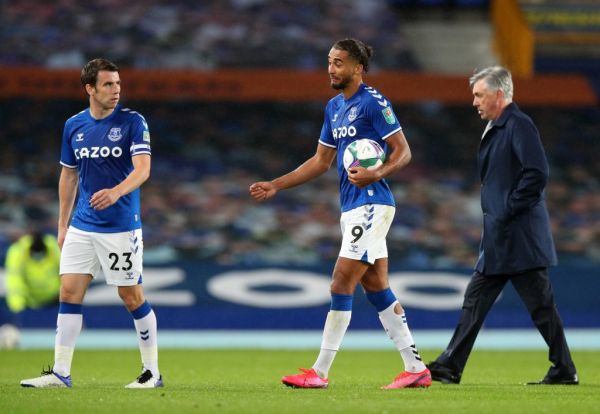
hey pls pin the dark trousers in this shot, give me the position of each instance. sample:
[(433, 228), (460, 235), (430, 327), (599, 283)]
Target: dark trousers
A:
[(535, 290)]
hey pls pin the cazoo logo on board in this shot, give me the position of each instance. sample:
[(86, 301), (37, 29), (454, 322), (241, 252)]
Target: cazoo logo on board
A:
[(305, 289), (163, 286)]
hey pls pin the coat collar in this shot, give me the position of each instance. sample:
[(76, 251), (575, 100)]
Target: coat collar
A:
[(510, 109)]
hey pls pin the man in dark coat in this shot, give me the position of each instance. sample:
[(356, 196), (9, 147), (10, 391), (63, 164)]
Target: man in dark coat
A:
[(516, 244)]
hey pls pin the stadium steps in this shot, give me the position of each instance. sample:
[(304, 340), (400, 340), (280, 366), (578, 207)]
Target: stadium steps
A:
[(452, 47)]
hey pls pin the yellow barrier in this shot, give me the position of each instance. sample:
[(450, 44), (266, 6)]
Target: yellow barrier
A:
[(513, 38)]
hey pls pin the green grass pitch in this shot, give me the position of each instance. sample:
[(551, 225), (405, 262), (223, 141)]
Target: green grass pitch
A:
[(248, 381)]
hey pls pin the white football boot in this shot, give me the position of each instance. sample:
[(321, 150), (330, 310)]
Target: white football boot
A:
[(48, 379), (146, 380)]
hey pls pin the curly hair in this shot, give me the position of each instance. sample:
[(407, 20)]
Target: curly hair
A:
[(358, 50)]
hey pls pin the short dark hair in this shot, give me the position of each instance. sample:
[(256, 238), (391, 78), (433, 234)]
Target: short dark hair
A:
[(89, 73), (357, 49)]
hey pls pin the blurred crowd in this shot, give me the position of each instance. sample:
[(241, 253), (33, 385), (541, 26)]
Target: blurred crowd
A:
[(205, 155), (199, 35)]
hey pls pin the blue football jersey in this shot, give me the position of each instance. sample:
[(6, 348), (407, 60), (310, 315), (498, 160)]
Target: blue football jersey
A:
[(366, 114), (102, 150)]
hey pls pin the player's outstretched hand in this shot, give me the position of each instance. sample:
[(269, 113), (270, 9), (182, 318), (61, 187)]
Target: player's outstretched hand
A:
[(361, 177), (262, 190), (104, 198)]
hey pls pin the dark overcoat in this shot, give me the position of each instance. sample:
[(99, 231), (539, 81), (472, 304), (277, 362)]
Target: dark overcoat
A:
[(513, 170)]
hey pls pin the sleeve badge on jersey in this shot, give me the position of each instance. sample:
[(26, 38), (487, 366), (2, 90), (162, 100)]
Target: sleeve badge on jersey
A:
[(146, 136), (388, 114)]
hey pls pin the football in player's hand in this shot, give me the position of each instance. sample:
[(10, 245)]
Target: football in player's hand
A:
[(363, 153)]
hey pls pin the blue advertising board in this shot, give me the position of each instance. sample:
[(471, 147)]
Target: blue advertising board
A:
[(207, 296)]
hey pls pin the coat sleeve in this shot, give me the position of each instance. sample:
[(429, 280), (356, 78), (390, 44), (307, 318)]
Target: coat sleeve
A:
[(533, 173)]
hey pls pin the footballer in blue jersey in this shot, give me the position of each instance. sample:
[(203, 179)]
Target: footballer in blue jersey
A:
[(102, 151), (105, 158), (365, 114), (367, 205)]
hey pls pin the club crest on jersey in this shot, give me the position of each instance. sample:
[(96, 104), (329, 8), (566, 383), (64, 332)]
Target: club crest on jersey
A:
[(388, 115), (353, 114), (115, 134)]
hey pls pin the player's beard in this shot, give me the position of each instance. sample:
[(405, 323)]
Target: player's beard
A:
[(342, 84)]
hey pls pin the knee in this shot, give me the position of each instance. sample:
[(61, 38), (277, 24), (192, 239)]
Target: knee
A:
[(340, 288), (341, 283), (374, 284), (71, 294), (131, 298)]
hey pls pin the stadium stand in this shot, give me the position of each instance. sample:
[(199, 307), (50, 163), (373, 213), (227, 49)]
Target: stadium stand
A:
[(207, 153), (196, 205), (203, 35)]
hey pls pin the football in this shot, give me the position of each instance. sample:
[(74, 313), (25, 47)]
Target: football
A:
[(363, 153), (9, 336)]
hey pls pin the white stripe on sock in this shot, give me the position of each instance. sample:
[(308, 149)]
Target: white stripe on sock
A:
[(396, 328)]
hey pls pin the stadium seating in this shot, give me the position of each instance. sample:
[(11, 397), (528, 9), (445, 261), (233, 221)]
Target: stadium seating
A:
[(196, 206), (198, 35), (207, 153)]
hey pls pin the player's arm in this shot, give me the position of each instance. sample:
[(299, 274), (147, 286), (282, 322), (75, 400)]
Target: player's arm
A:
[(106, 197), (398, 157), (312, 168), (67, 191)]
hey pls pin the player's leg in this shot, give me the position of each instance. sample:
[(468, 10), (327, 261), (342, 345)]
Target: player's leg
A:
[(351, 265), (144, 320), (68, 328), (346, 274), (121, 257), (70, 320), (77, 265), (377, 220), (393, 319)]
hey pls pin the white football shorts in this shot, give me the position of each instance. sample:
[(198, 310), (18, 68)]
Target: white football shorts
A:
[(364, 231), (119, 255)]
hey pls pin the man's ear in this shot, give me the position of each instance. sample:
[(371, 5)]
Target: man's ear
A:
[(89, 89), (500, 94)]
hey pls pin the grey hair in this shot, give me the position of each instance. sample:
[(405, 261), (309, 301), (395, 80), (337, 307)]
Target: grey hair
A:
[(497, 78)]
